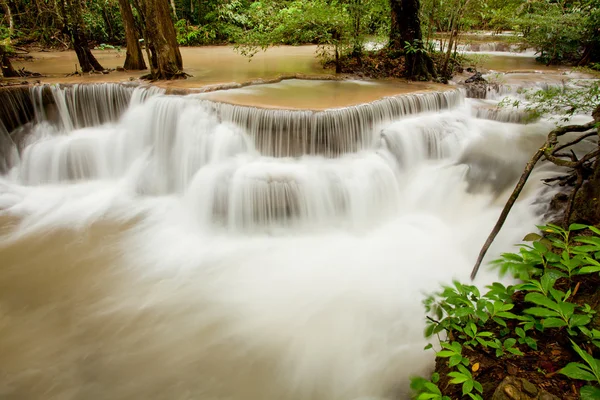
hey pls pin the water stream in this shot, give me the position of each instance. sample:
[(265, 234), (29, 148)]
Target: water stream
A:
[(172, 247)]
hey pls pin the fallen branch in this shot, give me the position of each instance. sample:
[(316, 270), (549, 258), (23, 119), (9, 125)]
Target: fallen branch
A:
[(548, 150), (511, 201)]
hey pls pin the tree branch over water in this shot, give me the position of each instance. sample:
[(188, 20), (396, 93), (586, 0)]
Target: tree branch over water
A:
[(550, 152)]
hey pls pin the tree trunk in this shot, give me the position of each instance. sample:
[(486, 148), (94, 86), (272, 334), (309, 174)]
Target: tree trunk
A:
[(73, 25), (134, 59), (174, 9), (406, 28), (11, 23), (6, 68), (162, 40)]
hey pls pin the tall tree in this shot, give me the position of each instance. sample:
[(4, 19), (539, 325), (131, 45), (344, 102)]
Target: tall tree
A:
[(406, 37), (161, 39), (74, 27), (6, 68), (133, 59)]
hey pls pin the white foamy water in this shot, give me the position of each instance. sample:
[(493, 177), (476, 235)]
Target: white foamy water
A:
[(163, 255)]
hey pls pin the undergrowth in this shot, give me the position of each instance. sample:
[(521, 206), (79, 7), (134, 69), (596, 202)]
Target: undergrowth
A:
[(511, 323)]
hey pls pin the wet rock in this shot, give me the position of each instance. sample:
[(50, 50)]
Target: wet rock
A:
[(476, 77), (512, 388), (476, 86)]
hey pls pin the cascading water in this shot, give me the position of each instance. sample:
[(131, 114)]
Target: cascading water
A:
[(195, 250)]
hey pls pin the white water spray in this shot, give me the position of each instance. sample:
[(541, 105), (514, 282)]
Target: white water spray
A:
[(168, 254)]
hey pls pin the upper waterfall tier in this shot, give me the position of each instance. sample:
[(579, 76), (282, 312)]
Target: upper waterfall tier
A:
[(285, 133), (275, 132)]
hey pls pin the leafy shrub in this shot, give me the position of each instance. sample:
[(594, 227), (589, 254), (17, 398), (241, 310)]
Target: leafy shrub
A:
[(469, 320)]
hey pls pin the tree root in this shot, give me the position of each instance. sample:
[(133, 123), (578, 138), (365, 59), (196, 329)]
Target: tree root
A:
[(177, 75), (550, 152)]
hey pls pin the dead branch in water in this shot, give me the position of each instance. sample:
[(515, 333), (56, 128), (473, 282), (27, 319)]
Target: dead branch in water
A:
[(550, 152)]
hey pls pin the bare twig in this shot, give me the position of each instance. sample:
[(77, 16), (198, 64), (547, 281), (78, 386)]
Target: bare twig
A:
[(511, 201), (575, 141), (569, 208)]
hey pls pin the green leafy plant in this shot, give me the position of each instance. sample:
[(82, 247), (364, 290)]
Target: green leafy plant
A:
[(427, 389), (549, 267), (587, 371)]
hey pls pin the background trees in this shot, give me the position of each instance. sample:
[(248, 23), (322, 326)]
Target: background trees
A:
[(565, 31)]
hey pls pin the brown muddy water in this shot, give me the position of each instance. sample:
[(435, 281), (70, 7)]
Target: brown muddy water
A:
[(208, 65), (318, 94)]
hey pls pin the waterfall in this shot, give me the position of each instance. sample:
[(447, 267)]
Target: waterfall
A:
[(82, 105), (160, 246), (290, 133)]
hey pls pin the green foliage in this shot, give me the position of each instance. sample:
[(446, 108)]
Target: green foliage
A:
[(189, 35), (587, 371), (486, 322), (427, 389), (564, 100), (300, 21), (103, 22), (554, 32)]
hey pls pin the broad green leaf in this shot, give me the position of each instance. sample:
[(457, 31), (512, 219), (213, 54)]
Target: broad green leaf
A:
[(456, 347), (589, 392), (588, 270), (579, 320), (520, 332), (530, 237), (512, 257), (592, 363), (551, 257), (547, 280), (515, 351), (531, 343), (463, 311), (458, 377), (541, 312), (577, 227), (428, 396), (454, 360), (464, 370), (577, 371), (506, 314), (558, 295), (540, 248), (429, 330), (445, 353), (540, 299), (566, 308), (553, 323), (432, 388), (467, 387), (594, 240)]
